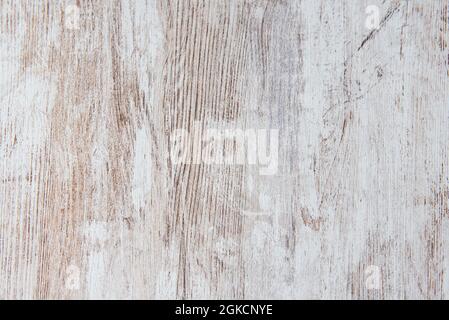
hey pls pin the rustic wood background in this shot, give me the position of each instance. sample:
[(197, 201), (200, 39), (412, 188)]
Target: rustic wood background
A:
[(92, 207)]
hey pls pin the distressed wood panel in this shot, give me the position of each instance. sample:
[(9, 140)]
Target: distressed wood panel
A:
[(94, 206)]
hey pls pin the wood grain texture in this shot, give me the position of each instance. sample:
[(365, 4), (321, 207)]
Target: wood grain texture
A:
[(92, 206)]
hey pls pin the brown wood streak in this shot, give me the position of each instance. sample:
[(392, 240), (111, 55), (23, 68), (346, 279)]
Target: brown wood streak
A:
[(87, 117)]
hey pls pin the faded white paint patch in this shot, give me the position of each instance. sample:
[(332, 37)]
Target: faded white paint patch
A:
[(25, 109), (96, 275), (96, 232), (141, 183)]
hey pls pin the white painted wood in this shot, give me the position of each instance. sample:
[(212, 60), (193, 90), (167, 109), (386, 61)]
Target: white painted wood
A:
[(93, 207)]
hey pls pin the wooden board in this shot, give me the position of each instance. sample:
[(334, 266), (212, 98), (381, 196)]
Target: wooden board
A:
[(354, 100)]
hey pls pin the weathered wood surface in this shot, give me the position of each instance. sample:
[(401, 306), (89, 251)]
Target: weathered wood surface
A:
[(91, 205)]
